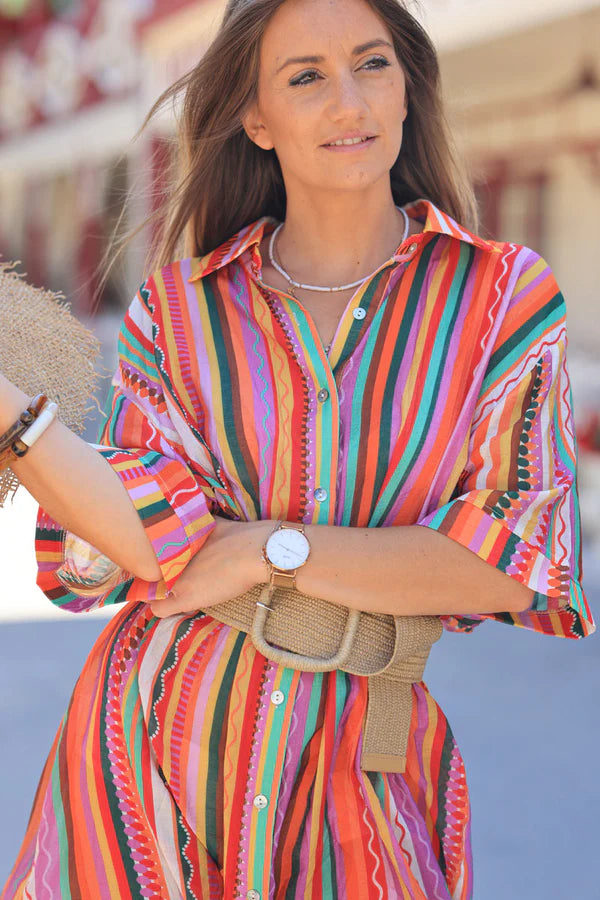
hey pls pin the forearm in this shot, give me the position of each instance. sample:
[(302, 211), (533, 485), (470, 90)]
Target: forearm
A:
[(405, 570), (78, 488)]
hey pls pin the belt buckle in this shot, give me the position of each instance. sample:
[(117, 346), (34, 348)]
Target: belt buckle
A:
[(298, 660)]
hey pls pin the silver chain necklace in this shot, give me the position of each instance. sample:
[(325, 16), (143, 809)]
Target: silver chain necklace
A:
[(314, 287)]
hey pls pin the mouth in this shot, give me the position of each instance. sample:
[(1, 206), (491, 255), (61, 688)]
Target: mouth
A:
[(351, 142)]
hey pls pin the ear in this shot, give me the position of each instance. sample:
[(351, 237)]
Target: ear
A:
[(255, 128)]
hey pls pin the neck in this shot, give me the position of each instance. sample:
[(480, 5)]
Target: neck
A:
[(336, 240)]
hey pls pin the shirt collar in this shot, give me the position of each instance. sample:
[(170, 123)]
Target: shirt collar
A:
[(249, 237)]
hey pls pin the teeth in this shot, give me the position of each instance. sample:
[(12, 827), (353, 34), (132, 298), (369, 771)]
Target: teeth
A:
[(348, 142)]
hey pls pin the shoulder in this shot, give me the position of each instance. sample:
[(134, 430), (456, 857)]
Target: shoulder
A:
[(506, 262), (517, 277), (183, 278), (157, 307), (532, 282), (521, 309), (167, 292), (531, 318)]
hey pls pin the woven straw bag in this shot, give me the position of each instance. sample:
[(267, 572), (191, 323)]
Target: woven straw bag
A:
[(45, 349)]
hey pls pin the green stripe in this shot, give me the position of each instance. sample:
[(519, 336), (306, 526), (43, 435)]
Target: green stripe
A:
[(442, 791), (399, 352), (135, 353), (146, 512), (524, 337), (325, 462), (357, 327), (59, 812), (431, 388), (135, 728), (111, 794), (112, 424), (355, 438), (355, 443), (245, 478), (219, 721), (184, 841), (328, 870), (106, 411), (292, 889), (270, 784)]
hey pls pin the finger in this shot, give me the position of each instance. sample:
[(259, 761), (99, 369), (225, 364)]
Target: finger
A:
[(157, 609), (165, 607)]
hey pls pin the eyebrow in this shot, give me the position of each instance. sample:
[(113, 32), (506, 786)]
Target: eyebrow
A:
[(361, 48)]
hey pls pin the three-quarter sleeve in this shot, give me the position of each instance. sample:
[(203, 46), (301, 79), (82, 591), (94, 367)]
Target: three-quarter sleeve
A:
[(149, 441), (516, 504)]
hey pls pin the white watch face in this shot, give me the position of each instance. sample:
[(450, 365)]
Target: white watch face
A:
[(287, 548)]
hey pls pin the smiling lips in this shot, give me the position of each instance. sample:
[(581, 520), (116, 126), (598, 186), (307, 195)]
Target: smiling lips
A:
[(350, 143)]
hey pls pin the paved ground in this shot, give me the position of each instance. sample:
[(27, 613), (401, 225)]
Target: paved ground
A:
[(524, 709)]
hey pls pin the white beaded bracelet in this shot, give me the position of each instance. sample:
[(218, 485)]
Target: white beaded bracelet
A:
[(38, 427)]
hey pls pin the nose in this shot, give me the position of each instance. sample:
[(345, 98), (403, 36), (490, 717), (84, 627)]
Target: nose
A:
[(346, 98)]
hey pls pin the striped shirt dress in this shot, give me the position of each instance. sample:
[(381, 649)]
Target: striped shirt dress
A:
[(188, 765)]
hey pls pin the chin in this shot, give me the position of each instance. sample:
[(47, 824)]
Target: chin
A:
[(352, 179), (355, 187)]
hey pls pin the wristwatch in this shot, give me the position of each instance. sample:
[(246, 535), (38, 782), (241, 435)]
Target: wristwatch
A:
[(286, 549)]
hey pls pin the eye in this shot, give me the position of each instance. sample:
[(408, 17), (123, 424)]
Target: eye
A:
[(376, 62), (304, 78), (311, 75)]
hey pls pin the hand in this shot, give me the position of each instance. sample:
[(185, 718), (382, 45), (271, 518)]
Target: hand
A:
[(228, 564)]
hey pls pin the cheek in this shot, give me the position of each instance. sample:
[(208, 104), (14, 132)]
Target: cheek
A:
[(394, 116), (294, 129)]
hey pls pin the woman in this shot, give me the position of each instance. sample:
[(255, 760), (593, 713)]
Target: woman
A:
[(429, 391)]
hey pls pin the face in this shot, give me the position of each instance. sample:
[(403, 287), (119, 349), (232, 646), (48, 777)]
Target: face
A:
[(329, 73)]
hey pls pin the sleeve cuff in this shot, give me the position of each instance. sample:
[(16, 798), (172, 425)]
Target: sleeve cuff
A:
[(559, 605), (175, 513), (85, 570), (172, 506)]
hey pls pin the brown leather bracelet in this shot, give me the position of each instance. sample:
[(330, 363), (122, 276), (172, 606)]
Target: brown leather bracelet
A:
[(24, 421), (11, 447)]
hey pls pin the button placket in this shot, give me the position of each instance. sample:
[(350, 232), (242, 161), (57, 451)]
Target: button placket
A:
[(255, 801), (264, 788), (321, 417)]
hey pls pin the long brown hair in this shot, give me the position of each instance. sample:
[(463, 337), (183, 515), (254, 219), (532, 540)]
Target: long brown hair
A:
[(222, 181)]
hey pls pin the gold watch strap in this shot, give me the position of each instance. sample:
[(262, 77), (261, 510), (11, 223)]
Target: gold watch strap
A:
[(297, 526)]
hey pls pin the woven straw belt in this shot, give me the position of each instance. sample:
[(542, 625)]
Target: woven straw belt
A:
[(315, 635)]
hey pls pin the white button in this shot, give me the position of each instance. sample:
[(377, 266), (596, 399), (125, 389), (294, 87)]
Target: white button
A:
[(260, 801), (323, 395), (252, 895), (359, 312), (412, 248), (320, 494), (277, 697)]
